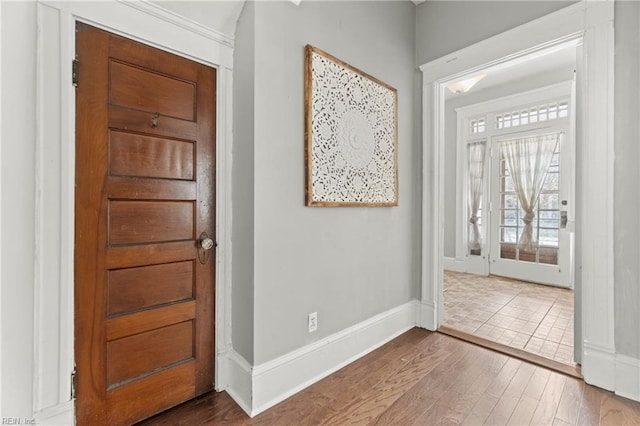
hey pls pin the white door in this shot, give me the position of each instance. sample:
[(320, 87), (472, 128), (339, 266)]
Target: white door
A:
[(550, 261)]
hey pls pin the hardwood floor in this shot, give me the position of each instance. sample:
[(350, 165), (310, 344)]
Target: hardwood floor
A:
[(425, 378)]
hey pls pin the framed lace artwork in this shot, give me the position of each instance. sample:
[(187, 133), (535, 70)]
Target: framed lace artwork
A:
[(351, 135)]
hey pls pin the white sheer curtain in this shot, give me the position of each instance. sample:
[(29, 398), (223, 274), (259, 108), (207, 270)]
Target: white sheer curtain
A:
[(475, 160), (528, 160)]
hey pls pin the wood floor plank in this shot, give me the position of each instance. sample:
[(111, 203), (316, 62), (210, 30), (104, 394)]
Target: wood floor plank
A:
[(307, 408), (569, 405), (465, 402), (523, 413), (424, 378), (481, 410), (351, 381), (538, 382), (417, 405), (548, 403), (472, 381), (618, 411), (218, 407), (376, 400), (510, 397), (407, 409)]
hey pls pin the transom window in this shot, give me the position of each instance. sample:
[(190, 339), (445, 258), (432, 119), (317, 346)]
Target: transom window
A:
[(478, 126), (535, 114)]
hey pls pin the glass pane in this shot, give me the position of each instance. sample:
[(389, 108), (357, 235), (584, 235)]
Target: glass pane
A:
[(510, 218), (548, 237), (499, 121), (548, 201), (542, 114), (563, 109), (504, 170), (551, 183), (509, 201), (508, 235), (507, 120), (533, 115), (548, 223), (521, 214), (553, 111), (515, 118), (508, 184), (549, 214), (524, 117), (554, 167)]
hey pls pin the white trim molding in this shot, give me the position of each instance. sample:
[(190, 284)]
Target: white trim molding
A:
[(237, 379), (599, 366), (258, 388), (591, 22), (55, 174), (453, 264), (628, 377)]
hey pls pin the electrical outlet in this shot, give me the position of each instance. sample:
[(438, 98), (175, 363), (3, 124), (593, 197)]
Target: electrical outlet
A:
[(313, 322)]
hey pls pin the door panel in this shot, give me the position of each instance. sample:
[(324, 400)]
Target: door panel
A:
[(144, 304), (550, 263), (132, 154)]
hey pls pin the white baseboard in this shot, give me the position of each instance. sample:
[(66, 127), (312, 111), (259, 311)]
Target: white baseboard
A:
[(284, 376), (58, 415), (237, 383), (599, 366), (453, 264), (427, 315), (628, 377)]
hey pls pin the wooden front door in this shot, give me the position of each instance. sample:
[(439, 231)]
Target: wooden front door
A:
[(145, 166)]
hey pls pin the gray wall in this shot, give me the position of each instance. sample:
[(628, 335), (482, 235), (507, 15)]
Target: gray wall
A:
[(243, 184), (451, 130), (446, 26), (626, 179), (347, 264)]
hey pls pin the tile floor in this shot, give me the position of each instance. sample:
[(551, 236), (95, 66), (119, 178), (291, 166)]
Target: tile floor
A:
[(532, 317)]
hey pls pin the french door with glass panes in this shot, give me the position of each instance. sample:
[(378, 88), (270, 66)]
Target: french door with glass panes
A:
[(549, 261)]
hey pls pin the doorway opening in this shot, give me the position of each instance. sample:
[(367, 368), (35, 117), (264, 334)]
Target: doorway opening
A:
[(508, 256), (589, 25)]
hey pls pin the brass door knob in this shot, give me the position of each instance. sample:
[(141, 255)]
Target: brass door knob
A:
[(205, 244)]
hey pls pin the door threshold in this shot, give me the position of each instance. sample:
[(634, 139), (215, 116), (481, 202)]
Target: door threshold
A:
[(572, 371)]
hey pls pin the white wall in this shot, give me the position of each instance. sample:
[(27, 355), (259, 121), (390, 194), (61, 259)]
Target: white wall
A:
[(451, 129), (347, 264), (18, 205)]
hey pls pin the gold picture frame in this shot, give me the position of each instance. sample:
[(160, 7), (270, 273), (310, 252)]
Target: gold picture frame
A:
[(351, 135)]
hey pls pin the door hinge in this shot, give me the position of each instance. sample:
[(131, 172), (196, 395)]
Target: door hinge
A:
[(74, 72), (74, 373)]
